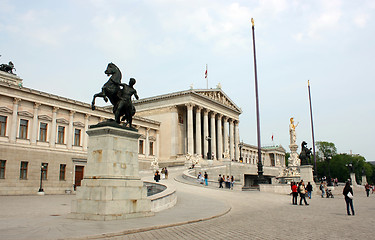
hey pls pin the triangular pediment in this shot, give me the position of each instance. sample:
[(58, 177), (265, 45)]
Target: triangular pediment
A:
[(220, 97)]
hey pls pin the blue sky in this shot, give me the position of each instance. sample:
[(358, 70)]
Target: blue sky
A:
[(63, 47)]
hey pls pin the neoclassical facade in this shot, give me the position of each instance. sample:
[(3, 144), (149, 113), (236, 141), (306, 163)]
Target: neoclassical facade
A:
[(196, 121), (44, 135)]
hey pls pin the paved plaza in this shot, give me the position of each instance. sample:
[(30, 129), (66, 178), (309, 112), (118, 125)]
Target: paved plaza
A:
[(200, 213)]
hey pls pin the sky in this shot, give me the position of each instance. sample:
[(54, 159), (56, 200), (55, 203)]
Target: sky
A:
[(63, 47)]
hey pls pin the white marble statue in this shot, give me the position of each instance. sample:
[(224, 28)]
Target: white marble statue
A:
[(226, 154), (292, 131), (155, 164)]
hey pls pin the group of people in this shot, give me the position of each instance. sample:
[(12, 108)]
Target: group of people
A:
[(229, 181), (164, 174), (300, 189), (203, 178)]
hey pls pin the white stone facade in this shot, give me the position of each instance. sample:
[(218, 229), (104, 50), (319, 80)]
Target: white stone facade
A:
[(40, 128)]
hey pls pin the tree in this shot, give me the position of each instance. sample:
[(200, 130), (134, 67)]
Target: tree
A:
[(325, 149)]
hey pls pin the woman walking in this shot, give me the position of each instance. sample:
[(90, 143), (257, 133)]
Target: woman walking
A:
[(348, 193)]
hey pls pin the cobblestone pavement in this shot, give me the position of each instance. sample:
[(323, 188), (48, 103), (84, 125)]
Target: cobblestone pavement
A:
[(252, 215), (257, 215)]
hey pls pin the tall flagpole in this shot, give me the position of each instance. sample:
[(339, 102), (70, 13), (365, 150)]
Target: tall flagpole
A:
[(312, 129), (260, 165)]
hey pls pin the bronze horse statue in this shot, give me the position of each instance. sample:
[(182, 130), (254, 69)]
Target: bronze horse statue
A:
[(8, 68), (305, 154), (119, 97)]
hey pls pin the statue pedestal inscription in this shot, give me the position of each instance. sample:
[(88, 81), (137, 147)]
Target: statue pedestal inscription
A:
[(111, 188)]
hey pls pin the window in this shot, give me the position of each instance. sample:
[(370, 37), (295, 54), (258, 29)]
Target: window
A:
[(2, 169), (23, 128), (23, 170), (77, 137), (43, 132), (60, 134), (3, 125), (62, 172), (44, 171), (151, 148), (140, 150)]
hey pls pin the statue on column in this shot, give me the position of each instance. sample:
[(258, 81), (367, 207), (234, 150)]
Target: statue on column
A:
[(292, 131)]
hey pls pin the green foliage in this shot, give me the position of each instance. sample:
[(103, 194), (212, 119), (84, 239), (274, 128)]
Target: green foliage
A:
[(325, 149)]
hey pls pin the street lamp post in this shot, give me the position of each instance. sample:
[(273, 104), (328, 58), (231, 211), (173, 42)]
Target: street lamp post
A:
[(208, 139), (241, 146), (41, 179), (329, 169)]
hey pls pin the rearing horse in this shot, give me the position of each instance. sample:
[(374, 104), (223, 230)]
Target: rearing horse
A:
[(111, 87)]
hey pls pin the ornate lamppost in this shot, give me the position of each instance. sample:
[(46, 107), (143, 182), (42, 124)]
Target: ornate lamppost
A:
[(241, 146), (41, 191), (209, 155)]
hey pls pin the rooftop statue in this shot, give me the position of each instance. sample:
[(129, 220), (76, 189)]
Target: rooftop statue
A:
[(7, 67), (119, 94)]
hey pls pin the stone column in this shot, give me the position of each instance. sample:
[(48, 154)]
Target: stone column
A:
[(174, 132), (157, 144), (213, 134), (219, 138), (190, 137), (34, 130), (231, 139), (236, 140), (198, 132), (84, 134), (52, 138), (70, 130), (147, 143), (13, 129), (225, 121), (205, 133)]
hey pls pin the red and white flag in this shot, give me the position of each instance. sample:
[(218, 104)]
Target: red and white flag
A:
[(205, 74)]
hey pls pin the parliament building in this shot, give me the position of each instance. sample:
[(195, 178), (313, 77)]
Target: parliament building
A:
[(43, 136)]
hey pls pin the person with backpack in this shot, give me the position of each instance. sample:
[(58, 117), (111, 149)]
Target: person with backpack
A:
[(302, 193), (221, 180)]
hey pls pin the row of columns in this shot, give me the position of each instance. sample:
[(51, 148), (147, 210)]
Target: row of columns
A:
[(214, 134), (53, 130)]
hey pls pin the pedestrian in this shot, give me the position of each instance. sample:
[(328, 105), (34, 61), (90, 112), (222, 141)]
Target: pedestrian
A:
[(163, 173), (200, 178), (206, 178), (348, 193), (302, 193), (322, 189), (294, 193), (232, 182), (227, 182), (309, 189), (166, 172), (220, 179), (367, 188), (157, 176)]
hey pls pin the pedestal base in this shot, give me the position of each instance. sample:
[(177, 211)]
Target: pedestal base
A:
[(111, 188)]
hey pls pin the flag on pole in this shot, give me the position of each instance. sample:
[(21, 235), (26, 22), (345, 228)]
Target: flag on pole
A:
[(272, 137), (205, 74)]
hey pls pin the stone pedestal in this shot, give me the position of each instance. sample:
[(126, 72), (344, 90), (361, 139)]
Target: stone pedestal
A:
[(364, 180), (306, 173), (352, 178), (111, 188)]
